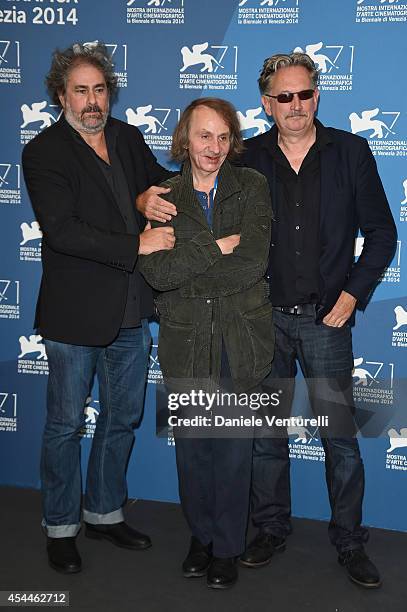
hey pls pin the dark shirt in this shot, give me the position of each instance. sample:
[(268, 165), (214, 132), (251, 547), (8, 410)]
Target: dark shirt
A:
[(295, 247), (139, 303)]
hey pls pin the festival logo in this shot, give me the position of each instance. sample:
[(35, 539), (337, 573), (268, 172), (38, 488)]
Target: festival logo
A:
[(206, 66), (30, 232), (380, 11), (91, 411), (36, 117), (251, 124), (392, 274), (10, 175), (157, 124), (119, 57), (372, 381), (399, 336), (306, 444), (267, 12), (10, 62), (160, 12), (403, 203), (381, 129), (334, 63), (154, 369), (32, 358), (397, 440), (8, 411), (9, 299)]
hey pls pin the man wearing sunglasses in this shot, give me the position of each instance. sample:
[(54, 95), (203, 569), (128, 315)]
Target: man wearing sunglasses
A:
[(325, 187)]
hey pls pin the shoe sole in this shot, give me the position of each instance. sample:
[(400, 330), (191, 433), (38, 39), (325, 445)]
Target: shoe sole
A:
[(277, 549), (220, 586), (373, 585), (195, 574), (64, 571), (105, 536)]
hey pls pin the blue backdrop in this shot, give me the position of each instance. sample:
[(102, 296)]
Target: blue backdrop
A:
[(168, 52)]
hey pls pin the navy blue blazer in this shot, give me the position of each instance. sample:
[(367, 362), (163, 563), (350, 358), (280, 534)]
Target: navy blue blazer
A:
[(352, 199)]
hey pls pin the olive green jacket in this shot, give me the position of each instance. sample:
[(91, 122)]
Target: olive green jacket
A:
[(206, 295)]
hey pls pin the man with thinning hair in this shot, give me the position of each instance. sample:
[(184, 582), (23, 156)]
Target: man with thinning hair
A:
[(325, 188), (83, 175)]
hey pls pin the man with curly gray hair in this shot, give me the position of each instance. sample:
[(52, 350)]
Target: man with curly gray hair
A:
[(83, 175), (325, 188)]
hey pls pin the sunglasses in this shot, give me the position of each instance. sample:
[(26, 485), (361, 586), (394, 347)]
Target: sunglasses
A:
[(284, 98)]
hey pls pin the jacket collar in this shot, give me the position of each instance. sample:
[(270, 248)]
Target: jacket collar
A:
[(85, 156), (188, 202), (323, 137)]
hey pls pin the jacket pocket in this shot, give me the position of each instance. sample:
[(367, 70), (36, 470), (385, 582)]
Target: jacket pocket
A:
[(259, 325), (176, 348)]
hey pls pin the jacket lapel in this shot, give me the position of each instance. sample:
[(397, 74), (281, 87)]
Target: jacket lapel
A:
[(87, 161)]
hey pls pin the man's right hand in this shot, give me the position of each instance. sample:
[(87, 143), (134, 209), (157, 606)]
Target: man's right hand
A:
[(157, 239)]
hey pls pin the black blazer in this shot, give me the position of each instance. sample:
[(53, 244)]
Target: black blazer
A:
[(86, 251), (352, 198)]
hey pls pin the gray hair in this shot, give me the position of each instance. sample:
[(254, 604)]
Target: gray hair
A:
[(94, 53), (282, 60)]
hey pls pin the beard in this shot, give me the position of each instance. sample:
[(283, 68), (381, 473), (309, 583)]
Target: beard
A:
[(89, 125)]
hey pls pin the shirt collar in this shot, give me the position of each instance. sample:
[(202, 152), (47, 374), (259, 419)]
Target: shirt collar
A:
[(323, 137)]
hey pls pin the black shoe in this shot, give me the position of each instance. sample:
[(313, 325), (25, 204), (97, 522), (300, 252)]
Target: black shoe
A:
[(360, 568), (63, 555), (119, 534), (222, 573), (261, 549), (198, 559)]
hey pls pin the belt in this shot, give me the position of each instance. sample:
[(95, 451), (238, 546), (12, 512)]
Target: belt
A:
[(299, 309)]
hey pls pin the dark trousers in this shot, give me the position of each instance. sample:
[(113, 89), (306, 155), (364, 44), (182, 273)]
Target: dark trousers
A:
[(214, 475), (325, 357)]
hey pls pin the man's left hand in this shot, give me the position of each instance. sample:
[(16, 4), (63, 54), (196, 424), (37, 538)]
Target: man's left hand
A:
[(153, 207), (342, 310)]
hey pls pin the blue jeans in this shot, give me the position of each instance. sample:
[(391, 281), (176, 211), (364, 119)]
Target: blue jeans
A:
[(326, 360), (121, 369)]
